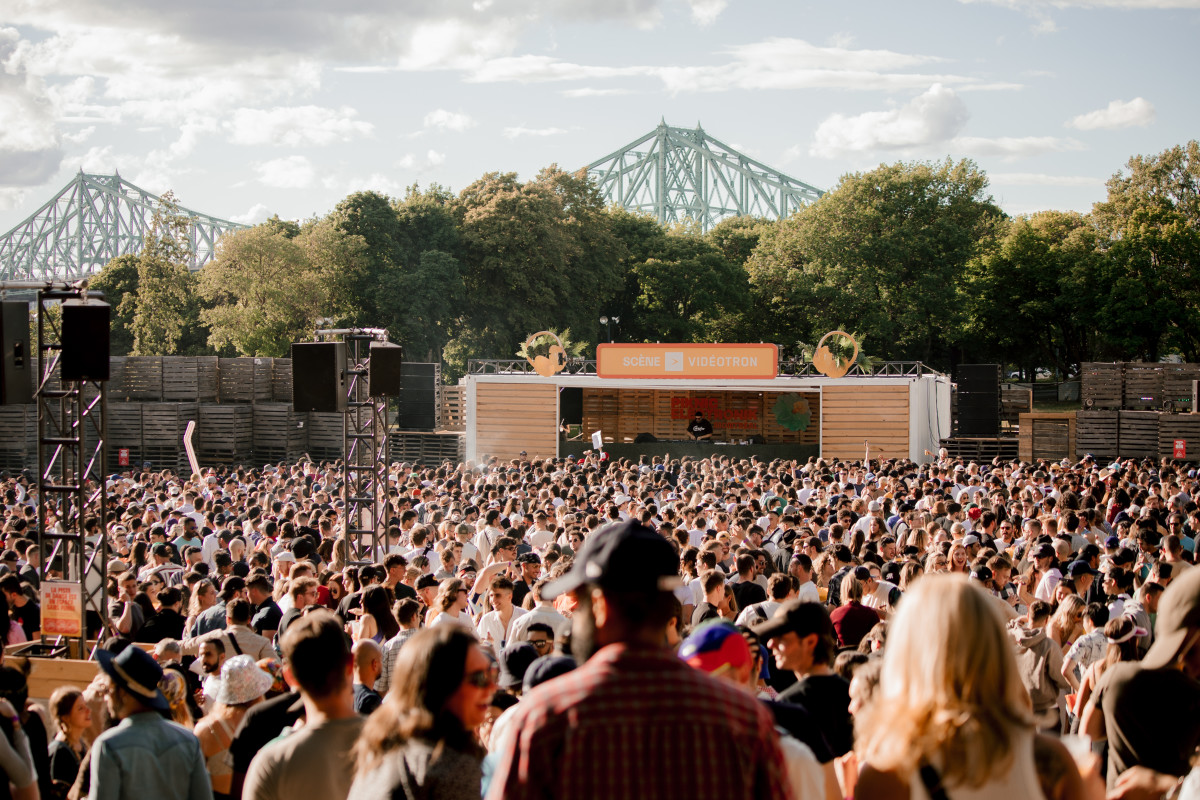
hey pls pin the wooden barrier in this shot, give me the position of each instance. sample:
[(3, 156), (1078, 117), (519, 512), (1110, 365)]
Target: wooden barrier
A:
[(1179, 427), (1143, 387), (454, 416), (1138, 436), (1047, 436), (1102, 385), (47, 674), (1098, 433)]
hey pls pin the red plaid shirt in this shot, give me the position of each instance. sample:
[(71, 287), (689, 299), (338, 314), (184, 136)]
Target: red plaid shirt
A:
[(639, 723)]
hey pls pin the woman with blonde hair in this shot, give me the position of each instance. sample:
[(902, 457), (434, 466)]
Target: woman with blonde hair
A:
[(951, 716), (174, 687), (1067, 623)]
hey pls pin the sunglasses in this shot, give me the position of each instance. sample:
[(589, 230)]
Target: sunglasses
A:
[(540, 643), (481, 678)]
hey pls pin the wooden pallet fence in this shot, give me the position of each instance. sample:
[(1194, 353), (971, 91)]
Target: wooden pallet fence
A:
[(1177, 385), (225, 435), (235, 380), (18, 437), (453, 412), (1179, 427), (124, 432), (1143, 386), (982, 449), (1138, 437), (180, 378), (264, 376), (1098, 433), (279, 434), (163, 425), (325, 435), (281, 381), (207, 380), (1102, 384), (427, 449), (1047, 436), (142, 378)]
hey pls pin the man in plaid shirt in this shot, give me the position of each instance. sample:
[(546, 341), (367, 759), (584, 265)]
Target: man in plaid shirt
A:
[(635, 721)]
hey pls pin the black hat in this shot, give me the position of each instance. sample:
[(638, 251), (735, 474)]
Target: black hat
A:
[(622, 556), (10, 555), (544, 668), (1044, 551), (1078, 568), (137, 672), (794, 616), (514, 661)]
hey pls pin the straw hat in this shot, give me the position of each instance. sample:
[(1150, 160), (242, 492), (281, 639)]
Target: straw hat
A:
[(242, 681)]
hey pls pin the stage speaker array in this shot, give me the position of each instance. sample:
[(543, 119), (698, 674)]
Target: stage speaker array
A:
[(978, 399), (319, 376), (384, 370), (418, 405), (16, 362), (570, 404), (84, 340)]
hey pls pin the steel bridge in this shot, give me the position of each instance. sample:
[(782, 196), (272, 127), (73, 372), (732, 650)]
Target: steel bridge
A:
[(682, 174), (94, 219)]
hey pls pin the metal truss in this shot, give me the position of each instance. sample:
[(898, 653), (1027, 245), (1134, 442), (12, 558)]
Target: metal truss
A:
[(364, 447), (790, 368), (678, 174), (94, 219), (72, 516), (508, 366)]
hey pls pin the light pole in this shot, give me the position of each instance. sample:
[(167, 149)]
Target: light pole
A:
[(605, 321)]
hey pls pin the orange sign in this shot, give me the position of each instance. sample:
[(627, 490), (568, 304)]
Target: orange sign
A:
[(689, 361), (62, 609)]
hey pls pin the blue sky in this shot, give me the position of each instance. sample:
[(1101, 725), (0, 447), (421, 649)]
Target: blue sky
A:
[(247, 109)]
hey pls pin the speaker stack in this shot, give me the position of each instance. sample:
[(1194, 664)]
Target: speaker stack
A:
[(418, 397), (16, 364), (978, 399), (319, 376)]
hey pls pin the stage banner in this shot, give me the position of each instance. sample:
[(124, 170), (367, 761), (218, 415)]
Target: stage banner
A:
[(62, 608), (687, 361)]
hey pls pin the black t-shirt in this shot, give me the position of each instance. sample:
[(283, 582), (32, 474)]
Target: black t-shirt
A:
[(262, 724), (266, 616), (365, 700), (748, 593), (705, 610), (700, 427), (827, 698), (520, 589), (30, 617), (166, 624), (796, 720)]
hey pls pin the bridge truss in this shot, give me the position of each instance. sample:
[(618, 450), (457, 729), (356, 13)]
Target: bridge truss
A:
[(94, 219), (680, 174)]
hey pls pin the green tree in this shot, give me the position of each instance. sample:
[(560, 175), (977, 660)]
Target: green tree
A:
[(883, 253), (1152, 221), (118, 279), (166, 309), (267, 290)]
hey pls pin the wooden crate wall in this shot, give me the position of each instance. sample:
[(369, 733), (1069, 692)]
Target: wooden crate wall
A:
[(18, 437), (278, 433), (325, 439), (453, 410), (511, 417), (236, 380), (225, 435), (163, 425), (1102, 384), (124, 432), (1179, 426), (1177, 385), (1143, 386), (427, 449), (281, 381), (1098, 433), (1138, 436), (1049, 436), (622, 414)]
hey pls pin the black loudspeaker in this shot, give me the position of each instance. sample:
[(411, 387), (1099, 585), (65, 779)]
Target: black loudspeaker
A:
[(84, 340), (418, 397), (319, 376), (570, 405), (978, 399), (384, 369), (16, 366), (974, 378)]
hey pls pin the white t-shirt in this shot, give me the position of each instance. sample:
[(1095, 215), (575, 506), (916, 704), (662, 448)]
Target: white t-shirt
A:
[(808, 592), (878, 599), (491, 629)]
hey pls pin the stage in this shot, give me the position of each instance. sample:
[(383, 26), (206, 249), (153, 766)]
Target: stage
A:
[(694, 450)]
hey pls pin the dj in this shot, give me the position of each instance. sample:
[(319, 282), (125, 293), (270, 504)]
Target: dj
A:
[(700, 428)]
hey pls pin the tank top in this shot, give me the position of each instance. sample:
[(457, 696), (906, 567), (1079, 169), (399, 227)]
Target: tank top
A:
[(1020, 780), (220, 763)]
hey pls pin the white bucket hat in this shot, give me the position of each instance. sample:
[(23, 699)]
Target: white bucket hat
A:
[(242, 681)]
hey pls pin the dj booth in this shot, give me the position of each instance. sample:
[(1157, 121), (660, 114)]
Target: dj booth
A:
[(509, 409)]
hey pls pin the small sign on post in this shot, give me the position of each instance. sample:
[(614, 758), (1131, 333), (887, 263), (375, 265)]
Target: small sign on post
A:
[(122, 456), (1180, 448), (62, 609)]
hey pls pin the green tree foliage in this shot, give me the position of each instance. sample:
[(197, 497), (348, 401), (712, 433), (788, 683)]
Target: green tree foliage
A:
[(1151, 220), (119, 282), (1032, 299), (882, 253), (267, 290), (166, 311)]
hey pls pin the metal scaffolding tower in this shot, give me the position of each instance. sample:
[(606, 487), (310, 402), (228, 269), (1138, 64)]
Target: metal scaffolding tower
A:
[(678, 174), (364, 446), (72, 502), (94, 219)]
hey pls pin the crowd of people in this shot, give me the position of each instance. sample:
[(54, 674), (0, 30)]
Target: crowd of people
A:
[(603, 628)]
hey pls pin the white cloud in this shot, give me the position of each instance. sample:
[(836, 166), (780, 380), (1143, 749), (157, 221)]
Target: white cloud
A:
[(519, 131), (841, 39), (933, 117), (1041, 179), (537, 69), (80, 136), (257, 213), (421, 164), (11, 198), (290, 172), (98, 160), (705, 12), (1139, 111), (434, 158), (441, 119), (30, 146), (588, 91), (1125, 4), (296, 126)]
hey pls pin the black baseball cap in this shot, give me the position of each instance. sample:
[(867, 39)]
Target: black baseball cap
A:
[(794, 616), (622, 556)]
